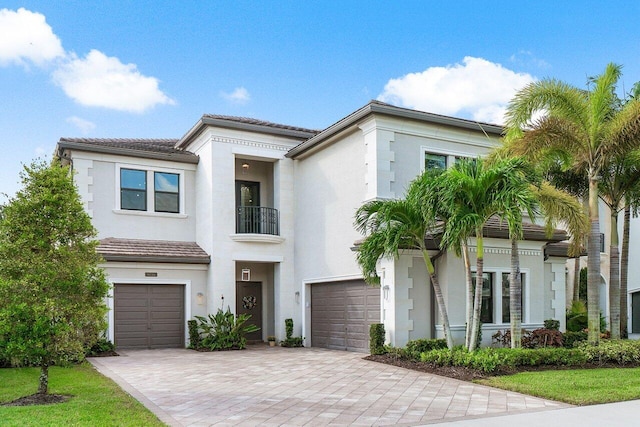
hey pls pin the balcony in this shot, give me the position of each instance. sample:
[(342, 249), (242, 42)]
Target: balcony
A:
[(257, 220)]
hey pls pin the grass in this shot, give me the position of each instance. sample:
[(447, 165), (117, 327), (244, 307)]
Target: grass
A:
[(96, 401), (576, 386)]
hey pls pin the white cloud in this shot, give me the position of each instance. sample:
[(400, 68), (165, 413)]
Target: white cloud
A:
[(102, 81), (239, 95), (25, 37), (85, 126), (476, 89)]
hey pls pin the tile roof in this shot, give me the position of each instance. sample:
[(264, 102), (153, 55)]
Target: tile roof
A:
[(133, 250), (250, 121), (140, 147)]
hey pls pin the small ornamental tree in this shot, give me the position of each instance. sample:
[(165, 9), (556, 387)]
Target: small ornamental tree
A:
[(51, 289)]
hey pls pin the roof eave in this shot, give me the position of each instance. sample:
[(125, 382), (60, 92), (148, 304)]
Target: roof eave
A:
[(156, 259), (374, 107), (174, 157), (205, 121)]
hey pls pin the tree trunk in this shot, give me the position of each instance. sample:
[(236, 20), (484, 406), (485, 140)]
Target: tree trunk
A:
[(614, 280), (576, 279), (624, 272), (515, 296), (442, 308), (593, 263), (469, 281), (477, 300), (43, 386)]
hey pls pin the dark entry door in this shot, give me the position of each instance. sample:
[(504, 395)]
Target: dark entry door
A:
[(249, 301), (248, 207)]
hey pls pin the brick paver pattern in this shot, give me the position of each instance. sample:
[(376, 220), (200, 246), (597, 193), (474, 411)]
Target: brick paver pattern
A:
[(275, 386)]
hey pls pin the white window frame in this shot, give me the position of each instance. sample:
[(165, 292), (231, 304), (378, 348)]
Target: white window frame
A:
[(151, 191), (450, 155), (496, 287)]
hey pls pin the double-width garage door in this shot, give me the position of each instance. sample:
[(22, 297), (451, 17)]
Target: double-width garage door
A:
[(149, 316), (341, 313)]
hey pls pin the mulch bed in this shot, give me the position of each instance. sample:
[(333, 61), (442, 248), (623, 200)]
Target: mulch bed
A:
[(467, 374), (38, 399), (457, 372)]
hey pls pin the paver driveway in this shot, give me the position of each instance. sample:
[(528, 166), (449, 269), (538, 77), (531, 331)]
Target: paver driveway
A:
[(303, 386)]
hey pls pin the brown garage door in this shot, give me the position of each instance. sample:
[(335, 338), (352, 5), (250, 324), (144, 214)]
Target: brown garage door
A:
[(149, 316), (341, 313)]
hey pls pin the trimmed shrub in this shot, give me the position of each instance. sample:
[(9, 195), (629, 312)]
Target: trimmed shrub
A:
[(552, 324), (195, 341), (291, 341), (570, 339), (416, 347), (618, 352), (103, 345), (376, 338), (490, 360)]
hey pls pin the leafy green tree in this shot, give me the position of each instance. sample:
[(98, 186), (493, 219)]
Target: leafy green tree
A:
[(391, 226), (584, 128), (51, 289)]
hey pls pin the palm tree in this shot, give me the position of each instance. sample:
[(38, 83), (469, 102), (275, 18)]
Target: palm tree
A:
[(392, 226), (619, 181), (586, 128), (475, 192)]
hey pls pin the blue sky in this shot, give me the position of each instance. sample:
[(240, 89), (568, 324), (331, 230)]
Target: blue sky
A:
[(152, 68)]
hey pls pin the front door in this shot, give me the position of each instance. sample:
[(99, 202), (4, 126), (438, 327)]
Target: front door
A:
[(249, 301)]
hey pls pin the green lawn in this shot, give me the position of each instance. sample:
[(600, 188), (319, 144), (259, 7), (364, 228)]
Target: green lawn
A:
[(97, 400), (578, 386)]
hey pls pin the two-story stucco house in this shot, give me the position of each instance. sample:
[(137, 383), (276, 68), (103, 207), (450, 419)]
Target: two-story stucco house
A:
[(258, 216)]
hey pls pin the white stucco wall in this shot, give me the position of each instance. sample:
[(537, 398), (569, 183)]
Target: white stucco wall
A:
[(95, 176), (222, 152)]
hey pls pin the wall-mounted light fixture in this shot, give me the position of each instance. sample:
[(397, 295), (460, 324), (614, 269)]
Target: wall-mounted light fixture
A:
[(200, 298), (245, 168), (385, 292), (297, 297), (246, 275)]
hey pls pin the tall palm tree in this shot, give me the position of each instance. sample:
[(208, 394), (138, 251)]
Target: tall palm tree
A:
[(392, 226), (620, 180), (586, 128), (475, 192)]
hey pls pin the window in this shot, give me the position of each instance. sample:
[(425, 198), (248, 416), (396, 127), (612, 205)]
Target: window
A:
[(133, 189), (486, 310), (506, 298), (167, 192), (149, 190), (434, 161)]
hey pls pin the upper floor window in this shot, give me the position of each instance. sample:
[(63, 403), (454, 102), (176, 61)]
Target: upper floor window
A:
[(150, 190), (167, 192), (133, 189), (434, 161)]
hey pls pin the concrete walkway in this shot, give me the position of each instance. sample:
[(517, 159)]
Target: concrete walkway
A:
[(264, 386)]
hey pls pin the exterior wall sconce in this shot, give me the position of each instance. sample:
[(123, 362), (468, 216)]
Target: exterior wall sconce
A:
[(246, 275), (297, 297), (385, 292), (245, 168), (200, 298)]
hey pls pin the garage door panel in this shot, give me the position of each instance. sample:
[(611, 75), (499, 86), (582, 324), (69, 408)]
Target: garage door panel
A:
[(341, 313), (149, 316)]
